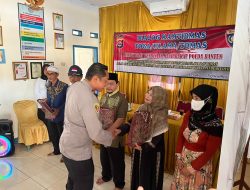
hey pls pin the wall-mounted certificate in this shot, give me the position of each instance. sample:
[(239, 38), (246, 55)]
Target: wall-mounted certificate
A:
[(35, 69), (20, 70)]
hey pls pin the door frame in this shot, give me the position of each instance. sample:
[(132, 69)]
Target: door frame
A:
[(89, 47)]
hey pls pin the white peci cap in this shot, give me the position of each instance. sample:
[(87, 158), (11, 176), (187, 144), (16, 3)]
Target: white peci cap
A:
[(53, 69)]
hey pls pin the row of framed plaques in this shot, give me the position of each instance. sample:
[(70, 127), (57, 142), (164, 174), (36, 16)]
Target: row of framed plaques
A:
[(58, 25), (21, 69)]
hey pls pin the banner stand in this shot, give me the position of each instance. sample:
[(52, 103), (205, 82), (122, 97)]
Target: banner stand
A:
[(241, 181)]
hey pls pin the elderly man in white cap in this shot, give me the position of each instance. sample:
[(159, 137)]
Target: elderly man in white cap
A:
[(56, 97)]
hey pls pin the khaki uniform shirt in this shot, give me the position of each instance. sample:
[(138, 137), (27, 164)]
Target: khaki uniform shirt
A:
[(118, 102), (81, 123)]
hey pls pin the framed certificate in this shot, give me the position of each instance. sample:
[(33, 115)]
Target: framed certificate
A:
[(35, 69), (57, 21), (59, 41), (20, 70)]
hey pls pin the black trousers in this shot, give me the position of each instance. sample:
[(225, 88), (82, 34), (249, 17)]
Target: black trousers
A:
[(41, 116), (113, 165), (55, 130), (81, 174)]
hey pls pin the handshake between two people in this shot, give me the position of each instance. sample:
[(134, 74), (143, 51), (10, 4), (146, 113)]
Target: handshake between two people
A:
[(119, 131)]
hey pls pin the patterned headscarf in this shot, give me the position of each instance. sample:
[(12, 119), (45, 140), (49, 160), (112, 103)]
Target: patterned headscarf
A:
[(159, 110), (206, 119)]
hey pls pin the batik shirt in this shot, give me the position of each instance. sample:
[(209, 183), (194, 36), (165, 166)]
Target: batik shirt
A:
[(56, 99), (118, 102)]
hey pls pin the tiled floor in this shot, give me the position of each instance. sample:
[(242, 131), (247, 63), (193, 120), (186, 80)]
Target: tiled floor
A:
[(34, 170)]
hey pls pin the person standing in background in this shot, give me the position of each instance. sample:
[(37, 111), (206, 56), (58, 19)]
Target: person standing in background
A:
[(41, 92), (199, 138), (74, 74), (82, 126), (112, 157), (56, 97)]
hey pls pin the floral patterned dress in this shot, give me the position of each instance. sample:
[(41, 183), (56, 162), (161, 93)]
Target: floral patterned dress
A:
[(202, 179)]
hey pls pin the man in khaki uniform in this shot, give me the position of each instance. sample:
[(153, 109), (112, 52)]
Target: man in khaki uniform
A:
[(81, 126), (112, 157)]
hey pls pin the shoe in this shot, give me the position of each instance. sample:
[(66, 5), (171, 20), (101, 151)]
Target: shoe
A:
[(51, 154), (100, 181)]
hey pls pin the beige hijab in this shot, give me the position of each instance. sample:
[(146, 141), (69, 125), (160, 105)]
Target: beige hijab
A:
[(159, 110)]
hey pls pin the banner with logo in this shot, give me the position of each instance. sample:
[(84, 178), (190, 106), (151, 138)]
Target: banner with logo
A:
[(32, 37), (196, 53)]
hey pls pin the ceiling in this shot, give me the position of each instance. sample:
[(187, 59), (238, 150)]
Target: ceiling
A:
[(104, 3)]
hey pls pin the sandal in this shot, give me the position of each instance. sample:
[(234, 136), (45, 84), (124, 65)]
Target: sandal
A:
[(100, 181)]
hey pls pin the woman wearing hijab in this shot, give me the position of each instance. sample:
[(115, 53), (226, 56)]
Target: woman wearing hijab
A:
[(199, 138), (148, 159), (41, 91)]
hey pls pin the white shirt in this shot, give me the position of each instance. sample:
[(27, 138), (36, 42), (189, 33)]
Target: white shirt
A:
[(40, 90)]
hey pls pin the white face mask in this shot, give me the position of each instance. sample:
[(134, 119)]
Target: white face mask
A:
[(197, 105)]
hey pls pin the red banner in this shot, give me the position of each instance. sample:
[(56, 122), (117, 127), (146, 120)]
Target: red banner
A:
[(198, 53)]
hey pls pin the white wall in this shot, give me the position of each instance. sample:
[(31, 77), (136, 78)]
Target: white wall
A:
[(76, 15), (237, 116)]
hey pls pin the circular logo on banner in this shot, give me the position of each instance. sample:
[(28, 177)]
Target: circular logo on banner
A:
[(230, 37), (119, 41)]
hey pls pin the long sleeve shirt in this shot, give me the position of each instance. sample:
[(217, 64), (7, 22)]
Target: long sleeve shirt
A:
[(81, 123), (56, 96), (40, 90), (117, 102), (206, 143)]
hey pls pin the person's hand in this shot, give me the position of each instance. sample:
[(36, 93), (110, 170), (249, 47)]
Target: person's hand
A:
[(117, 131), (185, 171), (191, 170), (138, 147), (178, 155), (55, 112), (112, 131)]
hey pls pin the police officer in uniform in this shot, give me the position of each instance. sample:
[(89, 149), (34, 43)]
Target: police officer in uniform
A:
[(81, 126)]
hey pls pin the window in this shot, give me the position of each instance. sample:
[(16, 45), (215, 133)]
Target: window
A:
[(76, 32), (93, 35)]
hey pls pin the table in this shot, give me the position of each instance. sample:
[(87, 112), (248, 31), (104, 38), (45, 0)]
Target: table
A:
[(171, 137)]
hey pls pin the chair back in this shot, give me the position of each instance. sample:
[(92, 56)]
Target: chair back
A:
[(183, 106), (219, 112), (26, 111)]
